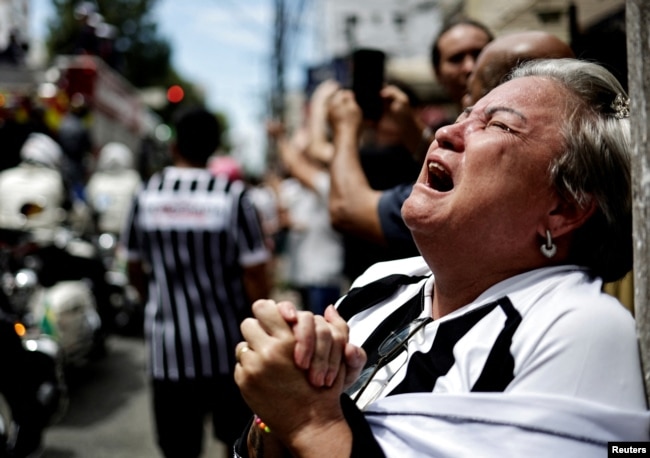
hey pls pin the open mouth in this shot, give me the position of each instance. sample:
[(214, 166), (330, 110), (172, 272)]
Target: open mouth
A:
[(439, 178)]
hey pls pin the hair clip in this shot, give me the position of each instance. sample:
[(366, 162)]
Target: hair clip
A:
[(621, 106)]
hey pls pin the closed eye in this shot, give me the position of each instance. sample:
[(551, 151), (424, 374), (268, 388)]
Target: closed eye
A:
[(500, 126)]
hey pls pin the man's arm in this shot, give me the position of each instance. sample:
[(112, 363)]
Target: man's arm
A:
[(293, 156), (320, 146), (353, 203)]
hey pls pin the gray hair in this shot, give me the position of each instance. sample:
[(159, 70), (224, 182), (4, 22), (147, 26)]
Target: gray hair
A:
[(596, 162)]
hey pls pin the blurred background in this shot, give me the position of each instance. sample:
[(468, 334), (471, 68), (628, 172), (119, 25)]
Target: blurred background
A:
[(124, 67), (134, 61)]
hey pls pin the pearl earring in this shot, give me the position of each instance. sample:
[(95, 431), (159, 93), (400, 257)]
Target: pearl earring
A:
[(549, 248)]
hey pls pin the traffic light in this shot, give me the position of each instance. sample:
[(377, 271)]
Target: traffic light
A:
[(175, 94)]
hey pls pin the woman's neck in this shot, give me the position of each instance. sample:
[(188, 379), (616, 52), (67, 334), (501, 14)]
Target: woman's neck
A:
[(453, 292)]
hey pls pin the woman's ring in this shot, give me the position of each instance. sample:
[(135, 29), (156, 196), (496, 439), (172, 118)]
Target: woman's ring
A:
[(240, 350)]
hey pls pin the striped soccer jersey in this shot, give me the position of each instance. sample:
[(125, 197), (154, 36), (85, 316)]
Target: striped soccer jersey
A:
[(196, 232), (487, 345), (543, 360)]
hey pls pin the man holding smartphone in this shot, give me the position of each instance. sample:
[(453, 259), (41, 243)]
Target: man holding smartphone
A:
[(367, 212)]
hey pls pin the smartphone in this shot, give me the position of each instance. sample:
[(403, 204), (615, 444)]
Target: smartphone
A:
[(368, 68)]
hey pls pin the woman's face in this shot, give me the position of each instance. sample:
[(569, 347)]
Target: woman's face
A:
[(484, 186)]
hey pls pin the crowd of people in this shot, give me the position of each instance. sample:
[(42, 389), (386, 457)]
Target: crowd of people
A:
[(520, 215), (44, 182), (449, 275)]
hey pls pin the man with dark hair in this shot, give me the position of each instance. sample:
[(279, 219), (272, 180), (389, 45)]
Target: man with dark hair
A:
[(197, 239), (198, 134), (454, 53)]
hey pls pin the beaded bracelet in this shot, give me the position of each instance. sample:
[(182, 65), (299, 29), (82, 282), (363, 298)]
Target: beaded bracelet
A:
[(261, 425)]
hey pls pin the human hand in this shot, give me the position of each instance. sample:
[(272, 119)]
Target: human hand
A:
[(400, 110), (397, 103), (320, 147), (270, 381), (407, 126), (275, 129), (300, 139), (322, 344), (321, 96), (344, 111)]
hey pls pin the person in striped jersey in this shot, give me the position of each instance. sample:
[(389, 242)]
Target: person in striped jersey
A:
[(498, 340), (197, 239)]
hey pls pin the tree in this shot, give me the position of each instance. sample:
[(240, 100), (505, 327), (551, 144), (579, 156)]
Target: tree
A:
[(125, 35)]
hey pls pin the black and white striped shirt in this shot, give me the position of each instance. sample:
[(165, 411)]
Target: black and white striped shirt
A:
[(531, 355), (197, 232)]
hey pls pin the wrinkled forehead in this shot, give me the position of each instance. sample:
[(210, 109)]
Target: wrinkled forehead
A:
[(535, 97), (540, 109)]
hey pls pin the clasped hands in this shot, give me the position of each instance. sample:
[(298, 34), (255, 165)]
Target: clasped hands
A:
[(294, 365)]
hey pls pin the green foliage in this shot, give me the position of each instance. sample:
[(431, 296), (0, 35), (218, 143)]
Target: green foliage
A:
[(141, 54)]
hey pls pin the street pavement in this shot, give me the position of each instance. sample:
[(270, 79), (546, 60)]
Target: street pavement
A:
[(109, 415)]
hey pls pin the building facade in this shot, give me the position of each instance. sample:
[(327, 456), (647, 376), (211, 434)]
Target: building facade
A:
[(405, 29)]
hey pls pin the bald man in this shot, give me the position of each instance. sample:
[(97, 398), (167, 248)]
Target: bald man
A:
[(503, 53)]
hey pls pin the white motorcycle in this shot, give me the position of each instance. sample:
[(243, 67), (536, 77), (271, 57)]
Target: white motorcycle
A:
[(49, 296)]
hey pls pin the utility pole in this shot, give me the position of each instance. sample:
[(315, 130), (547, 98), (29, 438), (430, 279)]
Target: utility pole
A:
[(637, 16), (278, 89)]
